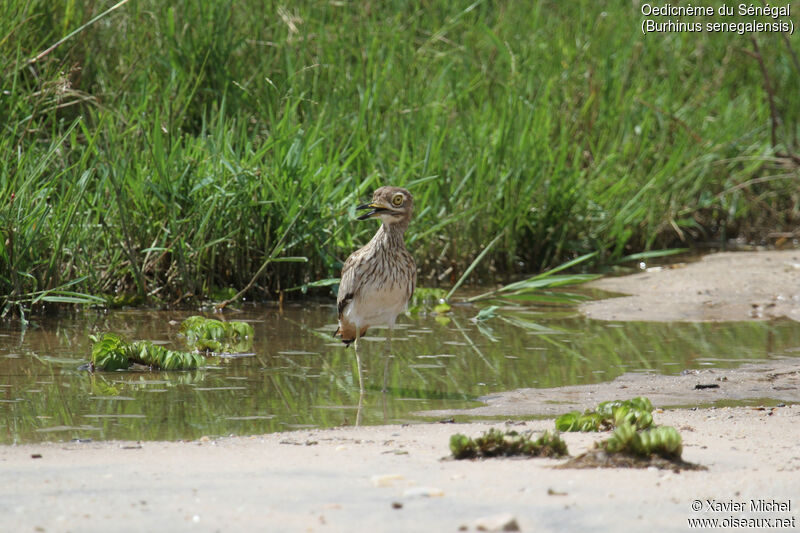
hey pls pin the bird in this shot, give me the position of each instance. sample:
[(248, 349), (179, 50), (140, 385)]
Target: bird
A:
[(378, 279)]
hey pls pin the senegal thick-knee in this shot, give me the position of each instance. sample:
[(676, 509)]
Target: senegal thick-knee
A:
[(378, 279)]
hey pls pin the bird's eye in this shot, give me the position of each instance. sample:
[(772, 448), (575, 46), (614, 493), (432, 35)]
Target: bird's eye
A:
[(397, 201)]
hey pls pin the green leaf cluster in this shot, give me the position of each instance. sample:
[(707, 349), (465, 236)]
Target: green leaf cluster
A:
[(636, 412), (664, 441), (109, 352), (112, 352), (494, 443), (211, 335)]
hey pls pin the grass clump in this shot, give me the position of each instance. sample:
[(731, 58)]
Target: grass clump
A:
[(211, 335), (496, 443), (112, 352), (636, 412)]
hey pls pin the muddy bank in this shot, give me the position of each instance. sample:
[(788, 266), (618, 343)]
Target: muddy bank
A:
[(720, 287), (775, 381)]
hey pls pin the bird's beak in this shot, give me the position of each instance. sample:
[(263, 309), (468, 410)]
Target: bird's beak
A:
[(376, 207)]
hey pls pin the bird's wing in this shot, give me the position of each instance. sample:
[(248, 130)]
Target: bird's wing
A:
[(347, 285)]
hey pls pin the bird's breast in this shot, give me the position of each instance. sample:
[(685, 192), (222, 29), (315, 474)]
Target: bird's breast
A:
[(378, 305)]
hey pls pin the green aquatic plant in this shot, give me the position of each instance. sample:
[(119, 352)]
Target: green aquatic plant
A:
[(112, 352), (634, 443), (109, 352), (211, 335), (494, 443), (636, 412), (663, 441)]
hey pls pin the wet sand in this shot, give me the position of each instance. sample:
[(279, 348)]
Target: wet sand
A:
[(777, 381), (398, 478)]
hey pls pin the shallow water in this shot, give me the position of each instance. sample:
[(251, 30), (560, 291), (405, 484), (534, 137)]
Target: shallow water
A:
[(298, 376)]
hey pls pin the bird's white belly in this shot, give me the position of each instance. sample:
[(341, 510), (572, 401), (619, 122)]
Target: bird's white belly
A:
[(379, 306)]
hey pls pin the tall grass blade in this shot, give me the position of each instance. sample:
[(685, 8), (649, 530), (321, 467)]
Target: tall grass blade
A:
[(472, 266)]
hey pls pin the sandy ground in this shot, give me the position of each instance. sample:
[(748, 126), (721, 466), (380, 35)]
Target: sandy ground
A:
[(394, 478), (719, 287), (398, 478)]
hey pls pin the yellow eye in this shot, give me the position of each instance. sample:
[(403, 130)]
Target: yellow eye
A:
[(397, 201)]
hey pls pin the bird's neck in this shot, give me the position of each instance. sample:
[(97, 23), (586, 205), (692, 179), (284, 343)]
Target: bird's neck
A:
[(391, 235)]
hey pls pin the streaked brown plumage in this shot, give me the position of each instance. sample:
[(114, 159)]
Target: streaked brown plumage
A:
[(378, 279)]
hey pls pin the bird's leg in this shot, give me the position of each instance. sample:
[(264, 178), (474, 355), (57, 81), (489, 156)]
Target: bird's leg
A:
[(358, 364), (360, 406), (360, 382), (387, 355), (383, 404)]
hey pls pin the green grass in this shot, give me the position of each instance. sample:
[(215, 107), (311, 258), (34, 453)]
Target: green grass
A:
[(170, 149)]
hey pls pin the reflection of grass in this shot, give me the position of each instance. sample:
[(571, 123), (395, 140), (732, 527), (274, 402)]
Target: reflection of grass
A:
[(428, 394)]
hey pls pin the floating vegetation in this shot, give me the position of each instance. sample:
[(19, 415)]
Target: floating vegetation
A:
[(204, 335), (210, 335), (112, 352), (637, 412), (495, 443)]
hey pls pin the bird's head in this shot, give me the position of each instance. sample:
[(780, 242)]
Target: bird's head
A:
[(393, 205)]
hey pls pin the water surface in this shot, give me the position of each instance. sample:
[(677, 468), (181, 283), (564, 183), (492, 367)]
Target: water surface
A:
[(297, 376)]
